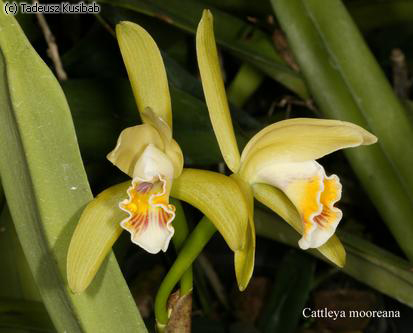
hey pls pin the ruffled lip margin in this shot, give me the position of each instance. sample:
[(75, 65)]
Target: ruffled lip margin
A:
[(169, 209)]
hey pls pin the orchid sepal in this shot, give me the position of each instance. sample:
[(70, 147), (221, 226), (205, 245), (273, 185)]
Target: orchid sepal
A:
[(244, 259), (219, 198), (96, 232), (146, 71), (214, 91)]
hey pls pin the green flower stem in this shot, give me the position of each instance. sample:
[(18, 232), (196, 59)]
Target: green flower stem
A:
[(245, 83), (181, 233), (191, 249)]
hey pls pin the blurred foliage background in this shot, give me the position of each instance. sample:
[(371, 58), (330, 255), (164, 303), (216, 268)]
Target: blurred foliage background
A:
[(267, 80)]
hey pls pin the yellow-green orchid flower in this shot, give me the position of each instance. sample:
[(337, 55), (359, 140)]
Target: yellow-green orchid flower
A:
[(279, 162), (147, 152), (154, 161), (284, 155)]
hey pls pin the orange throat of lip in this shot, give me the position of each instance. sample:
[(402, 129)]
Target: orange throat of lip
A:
[(320, 216)]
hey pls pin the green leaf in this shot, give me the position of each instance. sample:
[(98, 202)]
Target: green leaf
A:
[(46, 188), (16, 279), (292, 285), (348, 84), (244, 40), (366, 262)]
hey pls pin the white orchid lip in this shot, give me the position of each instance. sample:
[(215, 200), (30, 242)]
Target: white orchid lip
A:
[(150, 214), (329, 217), (313, 194)]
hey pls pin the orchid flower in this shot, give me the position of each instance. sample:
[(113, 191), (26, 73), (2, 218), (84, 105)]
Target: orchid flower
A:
[(147, 152), (154, 161), (278, 166)]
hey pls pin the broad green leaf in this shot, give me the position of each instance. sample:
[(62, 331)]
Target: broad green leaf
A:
[(214, 91), (366, 262), (219, 198), (16, 279), (348, 84), (146, 70), (372, 93), (244, 40), (46, 189), (278, 202)]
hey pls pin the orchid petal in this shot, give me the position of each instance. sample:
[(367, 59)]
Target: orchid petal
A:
[(159, 123), (131, 144), (367, 137), (298, 140), (278, 202), (244, 259), (97, 230), (219, 198), (174, 153), (214, 91), (172, 149), (146, 71)]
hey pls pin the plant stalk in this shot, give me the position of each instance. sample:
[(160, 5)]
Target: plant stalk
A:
[(189, 252)]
